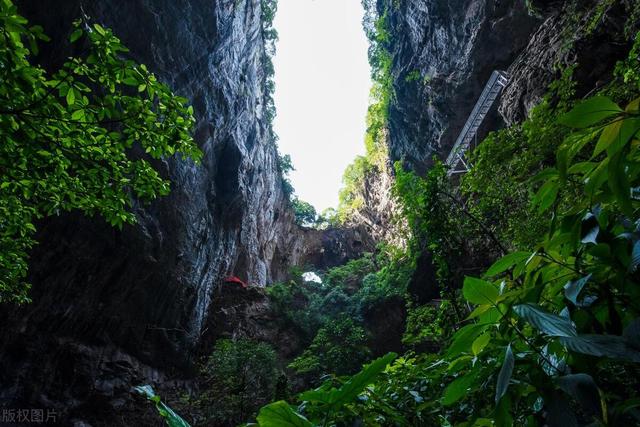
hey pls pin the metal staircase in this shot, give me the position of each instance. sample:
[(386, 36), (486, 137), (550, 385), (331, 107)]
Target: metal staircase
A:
[(494, 86)]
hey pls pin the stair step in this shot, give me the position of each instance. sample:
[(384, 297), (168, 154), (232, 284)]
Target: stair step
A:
[(487, 98)]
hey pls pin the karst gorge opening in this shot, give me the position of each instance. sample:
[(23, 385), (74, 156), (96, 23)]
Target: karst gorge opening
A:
[(163, 264)]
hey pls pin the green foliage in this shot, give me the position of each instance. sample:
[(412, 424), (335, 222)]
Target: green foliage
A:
[(352, 196), (305, 213), (170, 417), (597, 15), (553, 331), (339, 347), (237, 379), (351, 289), (281, 414), (285, 166), (73, 138), (429, 326), (327, 402), (269, 37), (566, 306), (352, 273), (328, 218), (499, 183), (413, 76), (442, 224), (533, 11)]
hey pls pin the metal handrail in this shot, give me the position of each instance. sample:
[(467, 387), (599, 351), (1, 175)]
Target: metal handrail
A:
[(492, 89)]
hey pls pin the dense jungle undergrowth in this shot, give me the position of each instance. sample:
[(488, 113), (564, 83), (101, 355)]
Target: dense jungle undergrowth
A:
[(549, 333), (536, 252)]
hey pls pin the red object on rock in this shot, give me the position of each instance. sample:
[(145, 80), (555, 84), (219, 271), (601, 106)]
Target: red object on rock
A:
[(234, 279)]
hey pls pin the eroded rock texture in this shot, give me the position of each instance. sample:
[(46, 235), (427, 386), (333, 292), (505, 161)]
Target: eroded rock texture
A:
[(590, 36), (443, 53), (111, 308)]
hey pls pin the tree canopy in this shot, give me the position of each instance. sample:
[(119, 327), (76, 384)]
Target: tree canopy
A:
[(80, 138)]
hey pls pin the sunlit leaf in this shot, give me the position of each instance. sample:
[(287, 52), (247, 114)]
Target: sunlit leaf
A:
[(590, 112), (610, 133), (480, 343), (478, 291), (506, 262), (280, 414)]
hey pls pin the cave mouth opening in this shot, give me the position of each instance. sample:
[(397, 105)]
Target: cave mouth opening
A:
[(322, 86)]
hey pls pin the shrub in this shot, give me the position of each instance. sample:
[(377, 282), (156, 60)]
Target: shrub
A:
[(339, 347), (238, 378), (305, 213)]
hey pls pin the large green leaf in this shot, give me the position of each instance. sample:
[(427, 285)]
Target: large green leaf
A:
[(506, 262), (590, 112), (628, 129), (457, 389), (596, 178), (356, 384), (478, 291), (464, 338), (619, 183), (611, 346), (569, 149), (546, 195), (505, 374), (320, 396), (280, 414), (610, 134), (545, 322), (480, 343)]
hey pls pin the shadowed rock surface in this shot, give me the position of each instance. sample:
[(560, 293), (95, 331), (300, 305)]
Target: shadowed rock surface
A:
[(443, 53), (567, 36), (112, 309)]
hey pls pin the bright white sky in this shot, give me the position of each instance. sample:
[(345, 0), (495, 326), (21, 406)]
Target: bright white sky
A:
[(322, 92)]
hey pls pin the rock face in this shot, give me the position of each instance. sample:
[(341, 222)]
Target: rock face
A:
[(378, 217), (114, 308), (111, 308), (443, 52), (591, 38)]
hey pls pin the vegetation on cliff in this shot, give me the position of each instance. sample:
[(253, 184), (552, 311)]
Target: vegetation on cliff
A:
[(73, 139), (536, 249), (351, 197), (548, 332), (536, 252)]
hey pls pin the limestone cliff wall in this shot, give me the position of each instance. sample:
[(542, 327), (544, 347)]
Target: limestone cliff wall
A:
[(112, 308), (443, 52)]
